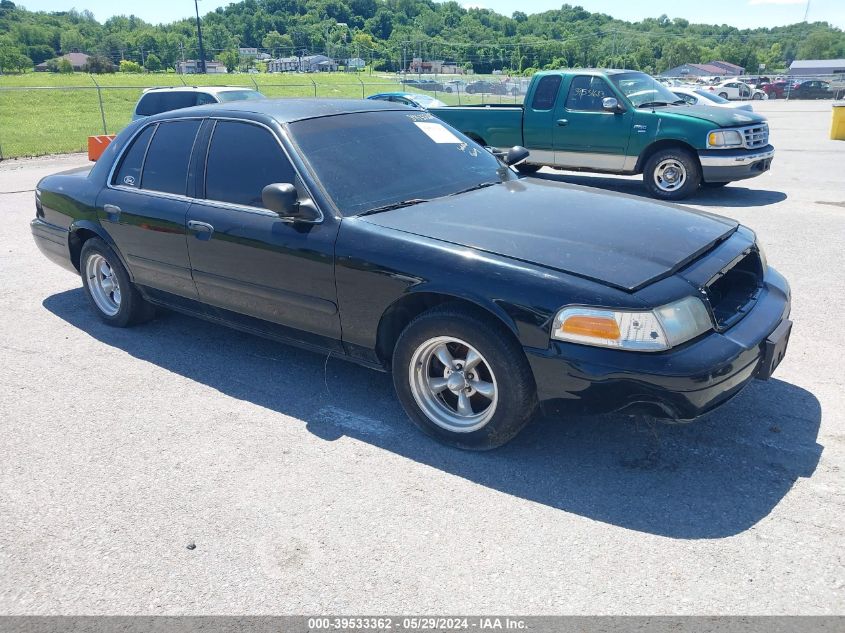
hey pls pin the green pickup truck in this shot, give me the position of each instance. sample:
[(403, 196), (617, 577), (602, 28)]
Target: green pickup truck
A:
[(622, 122)]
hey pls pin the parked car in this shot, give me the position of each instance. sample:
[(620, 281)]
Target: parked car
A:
[(775, 89), (622, 122), (410, 99), (427, 84), (733, 89), (810, 89), (385, 237), (483, 86), (699, 96), (157, 100)]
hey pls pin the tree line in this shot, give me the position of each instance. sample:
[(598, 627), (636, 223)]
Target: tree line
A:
[(389, 33)]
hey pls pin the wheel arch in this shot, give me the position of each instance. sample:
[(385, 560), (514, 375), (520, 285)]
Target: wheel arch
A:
[(476, 137), (406, 308), (662, 144), (83, 230)]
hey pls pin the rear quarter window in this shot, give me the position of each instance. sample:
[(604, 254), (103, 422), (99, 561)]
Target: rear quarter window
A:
[(546, 93), (129, 172)]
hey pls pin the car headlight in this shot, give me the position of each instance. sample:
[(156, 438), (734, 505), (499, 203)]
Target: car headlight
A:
[(647, 331), (724, 138)]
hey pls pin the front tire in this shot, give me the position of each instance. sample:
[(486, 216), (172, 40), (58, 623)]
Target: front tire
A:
[(672, 174), (106, 282), (463, 379), (757, 96)]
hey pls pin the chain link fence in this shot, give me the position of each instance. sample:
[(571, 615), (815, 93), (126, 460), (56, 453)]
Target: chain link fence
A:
[(38, 120)]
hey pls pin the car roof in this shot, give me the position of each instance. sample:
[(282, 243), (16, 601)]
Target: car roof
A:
[(284, 110), (205, 89)]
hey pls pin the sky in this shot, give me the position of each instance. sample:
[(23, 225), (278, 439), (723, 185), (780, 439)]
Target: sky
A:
[(739, 13)]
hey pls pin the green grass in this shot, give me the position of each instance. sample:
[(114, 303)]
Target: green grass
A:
[(46, 113)]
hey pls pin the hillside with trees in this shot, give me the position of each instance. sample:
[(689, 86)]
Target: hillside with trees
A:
[(386, 32)]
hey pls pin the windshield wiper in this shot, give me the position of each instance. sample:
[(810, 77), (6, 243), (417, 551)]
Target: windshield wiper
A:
[(480, 185), (394, 205), (651, 104)]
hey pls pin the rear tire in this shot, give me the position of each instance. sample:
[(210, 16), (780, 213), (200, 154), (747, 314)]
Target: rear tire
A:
[(113, 296), (672, 174), (526, 169), (724, 95), (463, 379)]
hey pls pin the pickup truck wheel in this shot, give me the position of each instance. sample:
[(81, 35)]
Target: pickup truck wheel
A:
[(463, 380), (106, 283), (527, 169), (672, 174)]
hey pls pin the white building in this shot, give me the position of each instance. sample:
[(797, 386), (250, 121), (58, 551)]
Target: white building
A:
[(306, 64), (191, 67)]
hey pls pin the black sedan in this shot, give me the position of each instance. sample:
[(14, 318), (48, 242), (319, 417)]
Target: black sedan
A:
[(811, 89), (380, 234)]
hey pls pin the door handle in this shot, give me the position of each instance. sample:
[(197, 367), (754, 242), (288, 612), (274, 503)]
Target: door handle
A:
[(562, 122), (203, 229), (112, 212)]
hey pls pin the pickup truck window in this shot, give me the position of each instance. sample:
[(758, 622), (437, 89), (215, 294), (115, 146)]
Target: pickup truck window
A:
[(242, 160), (368, 160), (586, 93), (129, 173), (546, 93), (643, 89), (166, 165)]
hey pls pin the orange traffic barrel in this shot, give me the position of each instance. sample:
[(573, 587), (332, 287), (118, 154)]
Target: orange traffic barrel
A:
[(97, 145)]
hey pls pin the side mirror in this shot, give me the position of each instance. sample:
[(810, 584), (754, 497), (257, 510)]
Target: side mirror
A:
[(282, 198), (515, 155), (610, 104)]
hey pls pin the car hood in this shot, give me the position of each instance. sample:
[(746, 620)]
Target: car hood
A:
[(723, 117), (619, 240)]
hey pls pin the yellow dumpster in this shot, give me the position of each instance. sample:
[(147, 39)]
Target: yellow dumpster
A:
[(837, 125)]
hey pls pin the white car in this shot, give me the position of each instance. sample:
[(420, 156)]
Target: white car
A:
[(701, 96), (733, 89)]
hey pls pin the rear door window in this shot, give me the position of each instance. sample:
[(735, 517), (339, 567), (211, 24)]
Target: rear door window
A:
[(129, 172), (546, 93), (242, 160), (166, 166)]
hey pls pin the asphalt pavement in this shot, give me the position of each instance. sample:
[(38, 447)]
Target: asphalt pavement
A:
[(303, 488)]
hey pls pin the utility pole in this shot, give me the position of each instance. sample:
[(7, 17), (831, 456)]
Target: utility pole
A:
[(201, 65)]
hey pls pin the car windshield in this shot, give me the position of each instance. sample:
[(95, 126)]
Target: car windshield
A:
[(642, 89), (427, 102), (711, 97), (369, 160), (239, 95)]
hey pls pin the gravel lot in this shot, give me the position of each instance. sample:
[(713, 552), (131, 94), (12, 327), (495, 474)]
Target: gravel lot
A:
[(306, 490)]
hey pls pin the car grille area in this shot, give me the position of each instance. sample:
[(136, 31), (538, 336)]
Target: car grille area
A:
[(755, 136), (732, 292)]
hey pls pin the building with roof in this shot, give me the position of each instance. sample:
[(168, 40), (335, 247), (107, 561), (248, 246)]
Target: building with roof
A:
[(710, 69), (191, 67), (306, 64), (813, 67), (77, 60)]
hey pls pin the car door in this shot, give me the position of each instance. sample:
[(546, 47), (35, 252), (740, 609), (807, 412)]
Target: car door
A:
[(540, 118), (144, 206), (265, 271), (586, 135), (744, 90)]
